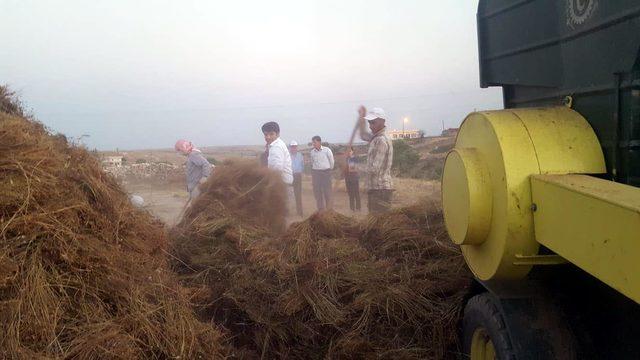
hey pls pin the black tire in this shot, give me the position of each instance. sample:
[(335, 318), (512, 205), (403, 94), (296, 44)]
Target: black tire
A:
[(482, 311)]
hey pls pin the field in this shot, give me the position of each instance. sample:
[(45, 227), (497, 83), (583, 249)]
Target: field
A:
[(167, 199), (219, 153)]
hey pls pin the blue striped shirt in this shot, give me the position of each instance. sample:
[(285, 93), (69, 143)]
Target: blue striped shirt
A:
[(297, 163)]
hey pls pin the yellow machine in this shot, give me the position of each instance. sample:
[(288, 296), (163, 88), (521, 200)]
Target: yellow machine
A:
[(513, 182), (542, 197)]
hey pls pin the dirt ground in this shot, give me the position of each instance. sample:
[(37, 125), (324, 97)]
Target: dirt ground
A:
[(168, 201)]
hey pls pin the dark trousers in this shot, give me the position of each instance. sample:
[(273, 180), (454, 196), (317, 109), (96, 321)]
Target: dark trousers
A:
[(353, 189), (379, 200), (321, 181), (297, 191)]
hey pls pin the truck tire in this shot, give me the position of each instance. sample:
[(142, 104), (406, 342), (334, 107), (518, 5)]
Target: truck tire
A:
[(484, 330)]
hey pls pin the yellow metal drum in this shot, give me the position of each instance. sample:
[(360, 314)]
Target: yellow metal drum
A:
[(472, 201), (486, 191)]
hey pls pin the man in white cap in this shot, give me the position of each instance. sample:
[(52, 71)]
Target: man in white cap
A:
[(379, 159), (297, 164)]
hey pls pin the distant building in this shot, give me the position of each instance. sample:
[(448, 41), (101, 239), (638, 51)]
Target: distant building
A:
[(451, 132), (112, 161), (405, 134)]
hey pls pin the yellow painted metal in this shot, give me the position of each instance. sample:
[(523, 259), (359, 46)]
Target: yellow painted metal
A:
[(482, 347), (472, 203), (564, 141), (497, 152), (593, 223)]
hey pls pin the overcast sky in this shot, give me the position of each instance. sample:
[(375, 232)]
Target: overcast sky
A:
[(141, 74)]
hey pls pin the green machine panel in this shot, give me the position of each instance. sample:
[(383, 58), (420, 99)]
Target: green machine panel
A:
[(542, 51)]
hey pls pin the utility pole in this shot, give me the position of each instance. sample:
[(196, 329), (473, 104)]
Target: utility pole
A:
[(404, 121)]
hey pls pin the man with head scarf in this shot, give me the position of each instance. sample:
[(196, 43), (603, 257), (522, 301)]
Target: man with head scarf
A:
[(198, 168)]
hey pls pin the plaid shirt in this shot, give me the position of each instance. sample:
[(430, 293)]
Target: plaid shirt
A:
[(379, 160)]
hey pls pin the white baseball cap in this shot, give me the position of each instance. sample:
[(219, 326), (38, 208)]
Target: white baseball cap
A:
[(375, 113), (293, 143)]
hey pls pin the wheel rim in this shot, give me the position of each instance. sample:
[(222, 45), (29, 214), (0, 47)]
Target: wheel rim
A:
[(482, 346)]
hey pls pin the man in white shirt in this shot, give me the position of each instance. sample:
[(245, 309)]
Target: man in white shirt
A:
[(278, 157), (321, 165)]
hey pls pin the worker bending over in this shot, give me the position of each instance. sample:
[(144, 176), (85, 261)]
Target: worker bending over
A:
[(322, 163), (379, 159), (198, 168)]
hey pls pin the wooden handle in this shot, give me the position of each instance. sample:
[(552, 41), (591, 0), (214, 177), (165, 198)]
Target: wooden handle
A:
[(353, 133)]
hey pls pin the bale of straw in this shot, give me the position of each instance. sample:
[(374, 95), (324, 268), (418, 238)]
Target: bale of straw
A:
[(83, 274), (329, 287)]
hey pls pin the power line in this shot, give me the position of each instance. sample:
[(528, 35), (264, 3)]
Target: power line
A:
[(257, 107)]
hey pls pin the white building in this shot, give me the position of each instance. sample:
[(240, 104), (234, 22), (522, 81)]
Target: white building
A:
[(112, 161), (405, 134)]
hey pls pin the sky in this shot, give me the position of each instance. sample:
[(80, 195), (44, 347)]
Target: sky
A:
[(142, 74)]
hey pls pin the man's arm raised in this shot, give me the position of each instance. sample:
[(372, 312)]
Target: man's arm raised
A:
[(364, 134)]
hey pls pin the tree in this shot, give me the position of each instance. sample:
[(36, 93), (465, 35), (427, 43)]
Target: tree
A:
[(405, 157)]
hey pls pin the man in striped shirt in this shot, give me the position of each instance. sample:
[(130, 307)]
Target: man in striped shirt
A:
[(379, 159)]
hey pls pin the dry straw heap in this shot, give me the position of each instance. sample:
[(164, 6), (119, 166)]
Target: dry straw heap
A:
[(330, 286), (83, 274)]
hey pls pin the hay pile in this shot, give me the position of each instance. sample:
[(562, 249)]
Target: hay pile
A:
[(244, 191), (330, 286), (83, 274), (240, 204)]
